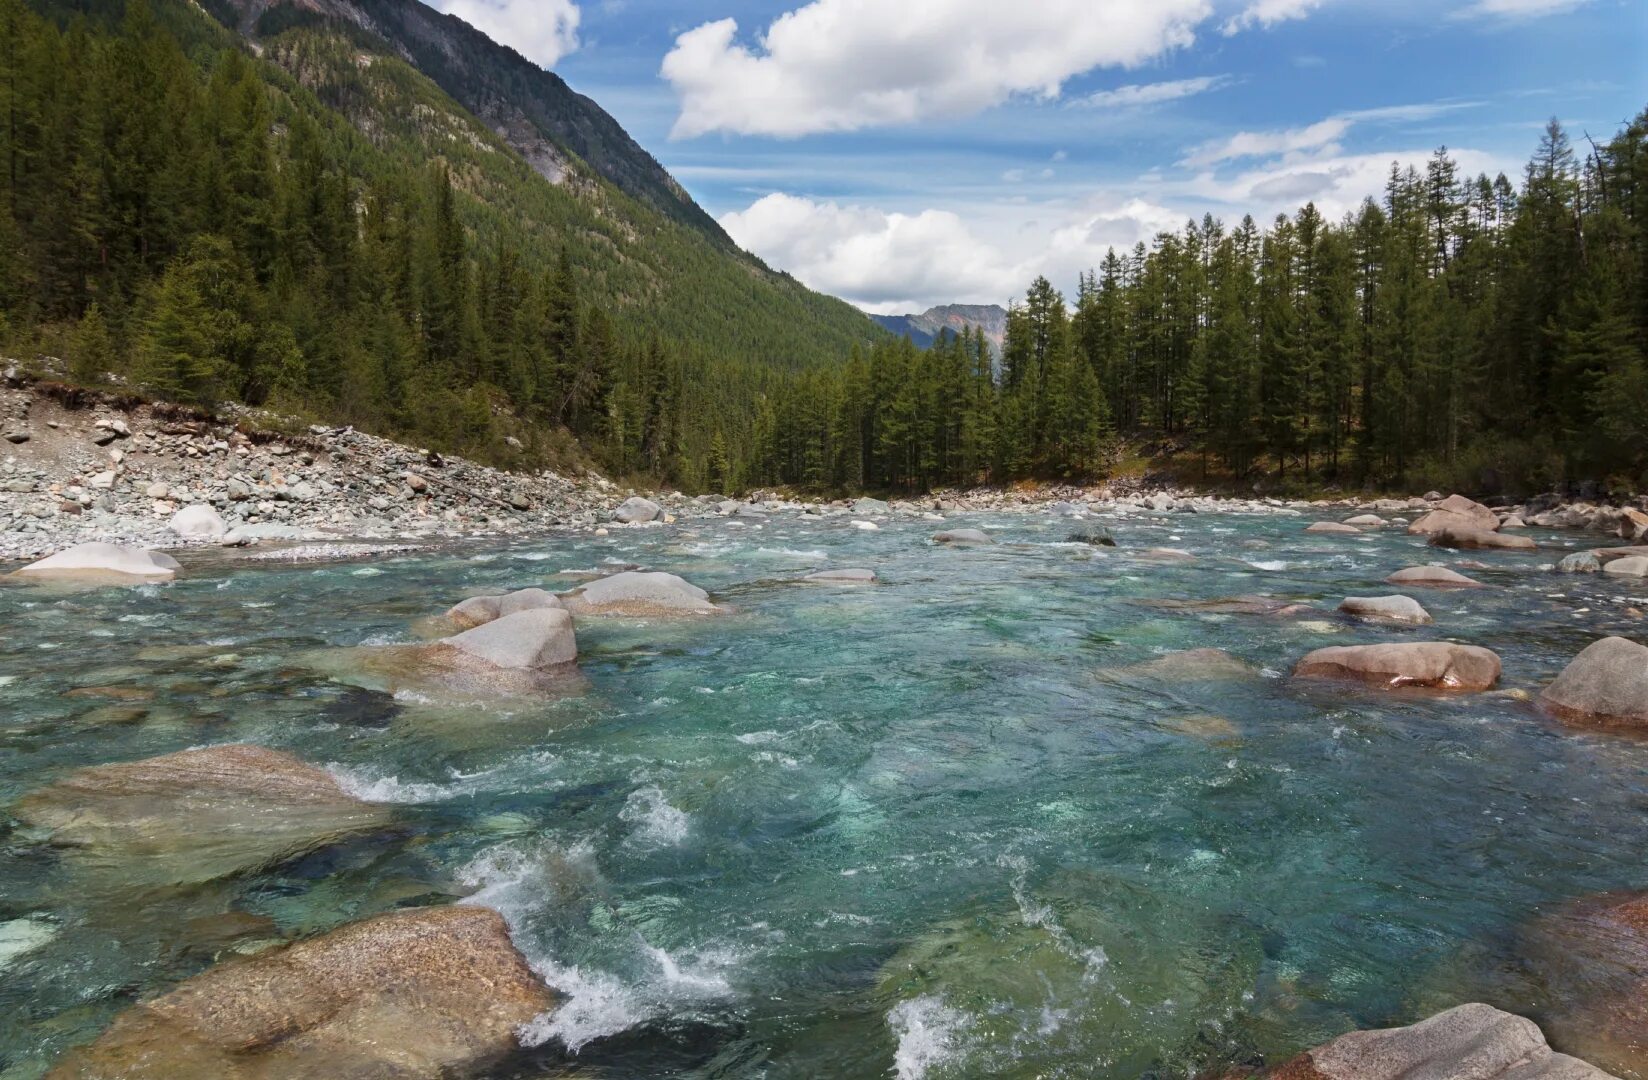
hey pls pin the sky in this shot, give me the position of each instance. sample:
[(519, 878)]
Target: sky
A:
[(906, 153)]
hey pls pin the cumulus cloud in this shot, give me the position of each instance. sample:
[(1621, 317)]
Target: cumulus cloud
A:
[(543, 31), (842, 65), (1136, 96), (1267, 13), (1245, 144)]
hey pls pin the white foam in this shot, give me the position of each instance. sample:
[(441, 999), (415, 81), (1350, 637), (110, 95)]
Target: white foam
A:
[(23, 935), (656, 821), (1269, 564), (758, 738), (929, 1033), (376, 787), (792, 553)]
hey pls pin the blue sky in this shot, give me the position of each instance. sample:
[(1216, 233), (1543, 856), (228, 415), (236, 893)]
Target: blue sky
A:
[(901, 153)]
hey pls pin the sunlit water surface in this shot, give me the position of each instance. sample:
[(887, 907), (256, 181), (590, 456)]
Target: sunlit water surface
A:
[(943, 826)]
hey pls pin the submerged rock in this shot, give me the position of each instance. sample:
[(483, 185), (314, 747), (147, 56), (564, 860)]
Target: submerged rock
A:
[(1438, 665), (1433, 577), (843, 577), (196, 815), (1580, 562), (423, 993), (1394, 608), (1334, 527), (1097, 535), (479, 610), (1167, 555), (640, 595), (1606, 685), (1235, 605), (962, 537), (1458, 536), (1590, 958), (1193, 664), (1469, 1042), (637, 510), (98, 563)]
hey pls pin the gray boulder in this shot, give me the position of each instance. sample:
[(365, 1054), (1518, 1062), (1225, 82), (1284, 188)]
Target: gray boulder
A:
[(1606, 685), (199, 521), (1334, 527), (639, 594), (870, 506), (99, 563), (479, 610), (528, 640), (1432, 577), (637, 510), (962, 537), (1392, 608), (1635, 566), (1097, 535), (1580, 562)]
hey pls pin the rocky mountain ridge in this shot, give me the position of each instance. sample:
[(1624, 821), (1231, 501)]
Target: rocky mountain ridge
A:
[(924, 328)]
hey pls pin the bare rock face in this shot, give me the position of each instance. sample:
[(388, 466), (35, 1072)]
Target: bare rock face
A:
[(639, 594), (1470, 538), (1470, 1042), (196, 815), (102, 564), (1432, 577), (1591, 959), (1334, 527), (478, 610), (962, 537), (1438, 665), (422, 994), (1403, 609), (1606, 685)]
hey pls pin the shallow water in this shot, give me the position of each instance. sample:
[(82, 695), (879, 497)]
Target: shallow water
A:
[(943, 826)]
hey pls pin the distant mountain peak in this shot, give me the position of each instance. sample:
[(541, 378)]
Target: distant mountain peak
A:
[(924, 329)]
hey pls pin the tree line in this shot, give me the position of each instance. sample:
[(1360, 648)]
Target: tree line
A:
[(185, 217)]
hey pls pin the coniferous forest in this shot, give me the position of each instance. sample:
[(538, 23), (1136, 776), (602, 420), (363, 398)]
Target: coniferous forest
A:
[(321, 231)]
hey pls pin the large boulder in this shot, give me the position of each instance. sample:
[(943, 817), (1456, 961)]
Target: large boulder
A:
[(1334, 527), (1468, 1042), (1590, 959), (198, 522), (1607, 685), (1366, 521), (1471, 538), (1635, 566), (870, 506), (532, 640), (1467, 508), (420, 994), (196, 815), (1438, 665), (1608, 555), (639, 594), (1097, 535), (1432, 577), (99, 563), (1391, 608), (479, 610), (962, 537), (1580, 562), (634, 511)]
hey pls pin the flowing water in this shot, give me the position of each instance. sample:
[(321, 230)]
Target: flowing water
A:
[(949, 825)]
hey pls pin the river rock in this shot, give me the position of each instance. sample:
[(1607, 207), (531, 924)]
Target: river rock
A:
[(99, 563), (1334, 527), (1393, 608), (1193, 665), (1467, 537), (420, 994), (962, 537), (1481, 515), (641, 595), (1635, 566), (478, 610), (198, 521), (1468, 1042), (1580, 562), (1590, 957), (1433, 577), (637, 510), (1607, 685), (846, 577), (1608, 555), (1439, 665), (870, 506), (1097, 535), (528, 640), (1366, 521), (196, 815)]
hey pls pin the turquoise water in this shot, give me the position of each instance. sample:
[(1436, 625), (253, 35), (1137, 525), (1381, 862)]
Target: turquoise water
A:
[(943, 826)]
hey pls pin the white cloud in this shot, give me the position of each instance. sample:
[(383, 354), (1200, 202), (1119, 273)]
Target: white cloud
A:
[(1245, 144), (841, 65), (543, 31), (1134, 96), (1518, 9), (1267, 13)]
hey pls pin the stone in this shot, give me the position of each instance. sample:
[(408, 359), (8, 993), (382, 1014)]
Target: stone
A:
[(1465, 537), (1605, 685), (417, 994), (1334, 527), (239, 490), (1590, 960), (103, 481), (99, 563), (870, 506), (1438, 665), (962, 537), (1580, 562), (196, 815), (478, 610), (1234, 605), (1635, 566), (1467, 1042), (1097, 535), (1167, 555), (843, 577), (1513, 521), (157, 490), (530, 639), (1393, 608), (1366, 521), (1458, 504), (17, 436), (416, 482), (641, 595), (1433, 577), (1193, 665), (1439, 520), (1608, 555), (636, 510), (199, 521)]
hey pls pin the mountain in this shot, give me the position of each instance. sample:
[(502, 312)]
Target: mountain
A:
[(924, 329)]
